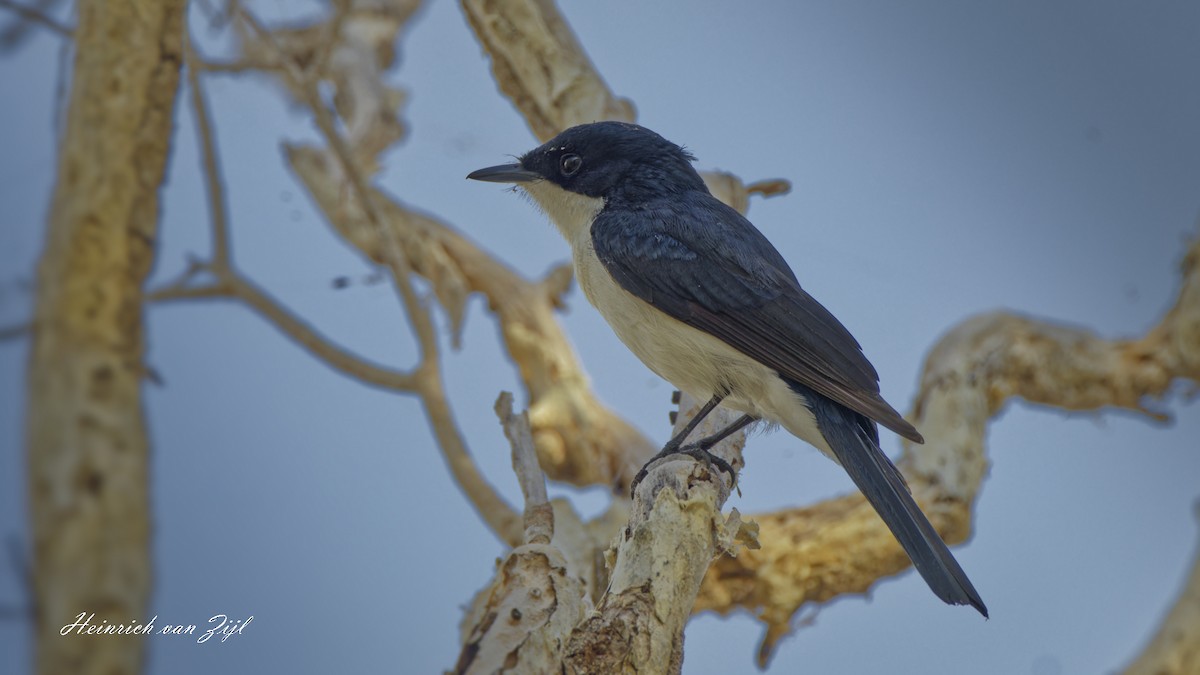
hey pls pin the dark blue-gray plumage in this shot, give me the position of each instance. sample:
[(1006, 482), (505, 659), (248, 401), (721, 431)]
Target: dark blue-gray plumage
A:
[(704, 300)]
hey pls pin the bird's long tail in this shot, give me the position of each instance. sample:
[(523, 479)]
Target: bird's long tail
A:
[(854, 441)]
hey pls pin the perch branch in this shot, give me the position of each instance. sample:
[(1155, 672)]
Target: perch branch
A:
[(675, 530)]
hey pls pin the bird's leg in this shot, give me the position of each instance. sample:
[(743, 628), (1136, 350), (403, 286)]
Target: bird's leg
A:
[(700, 449), (673, 446), (708, 442)]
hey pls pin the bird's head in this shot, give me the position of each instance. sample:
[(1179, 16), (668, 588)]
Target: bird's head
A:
[(573, 175)]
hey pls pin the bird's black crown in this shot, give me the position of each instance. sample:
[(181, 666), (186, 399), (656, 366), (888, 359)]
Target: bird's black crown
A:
[(604, 159)]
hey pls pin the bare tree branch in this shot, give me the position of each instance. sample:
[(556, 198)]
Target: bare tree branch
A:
[(332, 35), (539, 64), (1175, 647), (87, 450), (675, 530)]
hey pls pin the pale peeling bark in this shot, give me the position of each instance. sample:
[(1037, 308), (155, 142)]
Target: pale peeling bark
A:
[(813, 554), (530, 609), (675, 530), (520, 623), (537, 616), (540, 66), (1175, 647), (87, 449)]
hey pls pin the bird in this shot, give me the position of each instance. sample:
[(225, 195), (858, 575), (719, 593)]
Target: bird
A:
[(705, 301)]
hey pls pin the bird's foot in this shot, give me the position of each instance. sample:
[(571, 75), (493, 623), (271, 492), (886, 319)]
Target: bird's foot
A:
[(698, 451)]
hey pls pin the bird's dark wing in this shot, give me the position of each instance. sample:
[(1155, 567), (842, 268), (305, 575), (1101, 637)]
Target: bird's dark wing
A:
[(702, 263)]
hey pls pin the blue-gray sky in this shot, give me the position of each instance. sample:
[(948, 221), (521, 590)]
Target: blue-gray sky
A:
[(948, 159)]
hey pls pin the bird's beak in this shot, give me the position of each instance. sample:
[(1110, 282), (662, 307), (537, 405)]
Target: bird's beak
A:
[(504, 173)]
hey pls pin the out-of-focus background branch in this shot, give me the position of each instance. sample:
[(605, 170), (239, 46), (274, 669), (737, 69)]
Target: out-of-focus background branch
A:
[(87, 447), (336, 66)]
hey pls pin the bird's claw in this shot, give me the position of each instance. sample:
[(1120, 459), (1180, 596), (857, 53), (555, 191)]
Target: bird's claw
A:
[(702, 454), (697, 451)]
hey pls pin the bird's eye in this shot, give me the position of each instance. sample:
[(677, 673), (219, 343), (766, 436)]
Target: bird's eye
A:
[(569, 164)]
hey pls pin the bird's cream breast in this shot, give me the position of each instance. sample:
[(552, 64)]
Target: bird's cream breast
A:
[(690, 359)]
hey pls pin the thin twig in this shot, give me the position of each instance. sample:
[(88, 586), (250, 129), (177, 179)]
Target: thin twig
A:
[(235, 287), (216, 17), (19, 330), (32, 15), (235, 67), (62, 76), (202, 292), (539, 516), (334, 356), (422, 323), (493, 509), (218, 206), (23, 570)]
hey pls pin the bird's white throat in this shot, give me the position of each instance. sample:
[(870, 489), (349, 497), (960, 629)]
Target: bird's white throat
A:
[(571, 212)]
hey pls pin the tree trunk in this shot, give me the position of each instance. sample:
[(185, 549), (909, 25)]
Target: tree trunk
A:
[(87, 448)]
